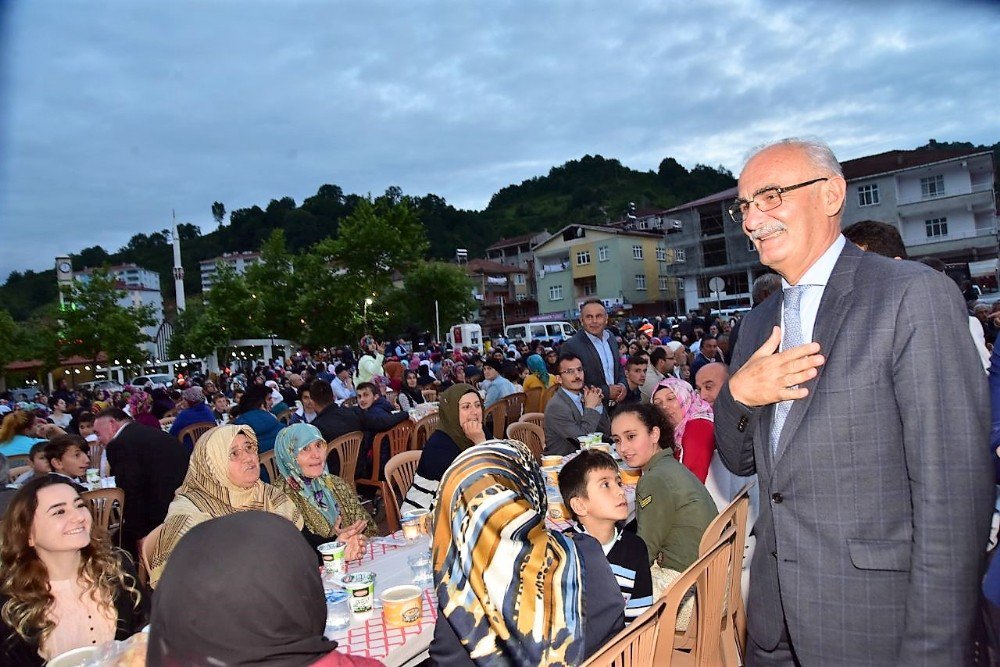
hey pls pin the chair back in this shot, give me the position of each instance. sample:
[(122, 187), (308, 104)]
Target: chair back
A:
[(347, 447), (547, 396), (399, 474), (531, 435), (18, 460), (515, 406), (398, 438), (635, 645), (95, 452), (498, 414), (107, 506), (285, 416), (270, 465), (190, 434), (353, 400), (18, 471), (430, 395), (533, 399), (536, 418), (147, 546), (423, 429)]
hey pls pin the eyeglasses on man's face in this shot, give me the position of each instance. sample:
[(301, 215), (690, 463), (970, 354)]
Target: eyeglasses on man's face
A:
[(572, 371), (765, 200)]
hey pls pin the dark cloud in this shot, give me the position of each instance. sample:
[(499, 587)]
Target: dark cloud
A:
[(115, 113)]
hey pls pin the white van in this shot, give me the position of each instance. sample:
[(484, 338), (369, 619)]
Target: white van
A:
[(554, 331), (466, 335)]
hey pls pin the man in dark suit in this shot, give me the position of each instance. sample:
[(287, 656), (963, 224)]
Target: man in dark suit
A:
[(867, 442), (598, 349), (148, 465), (574, 410)]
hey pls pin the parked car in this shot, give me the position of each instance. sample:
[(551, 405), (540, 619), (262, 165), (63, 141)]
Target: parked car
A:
[(109, 385), (158, 378)]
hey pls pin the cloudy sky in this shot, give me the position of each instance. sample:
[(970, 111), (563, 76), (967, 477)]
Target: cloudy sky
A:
[(114, 113)]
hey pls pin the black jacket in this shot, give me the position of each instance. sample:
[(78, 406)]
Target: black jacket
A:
[(334, 421)]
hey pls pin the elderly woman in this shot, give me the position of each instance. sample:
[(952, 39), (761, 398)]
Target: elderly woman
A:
[(62, 586), (212, 608), (329, 506), (460, 426), (223, 478), (693, 423), (140, 405), (509, 590)]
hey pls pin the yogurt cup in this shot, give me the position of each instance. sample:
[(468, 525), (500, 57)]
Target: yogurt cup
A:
[(360, 587), (402, 605), (94, 476), (333, 556)]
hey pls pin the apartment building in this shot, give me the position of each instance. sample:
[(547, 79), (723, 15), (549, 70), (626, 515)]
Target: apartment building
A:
[(503, 294), (239, 261)]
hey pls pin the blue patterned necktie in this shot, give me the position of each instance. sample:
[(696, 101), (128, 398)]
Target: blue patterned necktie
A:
[(791, 336)]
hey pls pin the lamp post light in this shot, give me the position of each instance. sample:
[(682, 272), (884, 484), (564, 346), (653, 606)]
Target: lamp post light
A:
[(368, 301)]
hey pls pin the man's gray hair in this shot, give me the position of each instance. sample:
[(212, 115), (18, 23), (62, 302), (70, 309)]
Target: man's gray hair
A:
[(817, 150), (764, 286)]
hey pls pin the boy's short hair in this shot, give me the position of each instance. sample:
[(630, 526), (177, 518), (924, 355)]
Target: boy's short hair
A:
[(370, 387), (574, 475), (37, 448), (58, 446), (636, 360), (85, 417)]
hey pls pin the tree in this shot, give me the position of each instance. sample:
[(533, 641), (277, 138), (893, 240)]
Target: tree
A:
[(94, 321), (426, 283), (272, 284), (9, 335), (187, 231), (233, 305), (218, 212), (198, 330)]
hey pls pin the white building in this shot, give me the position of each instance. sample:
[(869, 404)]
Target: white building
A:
[(239, 261), (142, 288), (131, 275)]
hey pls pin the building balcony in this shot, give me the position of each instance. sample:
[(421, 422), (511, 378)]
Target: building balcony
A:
[(979, 199)]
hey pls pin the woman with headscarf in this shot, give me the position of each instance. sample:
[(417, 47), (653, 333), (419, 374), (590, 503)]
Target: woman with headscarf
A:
[(243, 590), (460, 411), (538, 374), (329, 506), (509, 590), (162, 403), (370, 363), (410, 395), (693, 423), (140, 405), (223, 478)]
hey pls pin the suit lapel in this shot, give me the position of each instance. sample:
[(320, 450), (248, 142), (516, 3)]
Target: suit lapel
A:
[(833, 309)]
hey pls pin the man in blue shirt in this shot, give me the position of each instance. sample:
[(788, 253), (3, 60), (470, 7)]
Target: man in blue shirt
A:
[(497, 386)]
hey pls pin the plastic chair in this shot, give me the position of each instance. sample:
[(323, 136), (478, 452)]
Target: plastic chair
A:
[(398, 438), (710, 576), (530, 434), (635, 645), (18, 471), (533, 399), (399, 474), (423, 429), (146, 547), (95, 452), (430, 395), (347, 447), (107, 506), (515, 406), (536, 418), (547, 396), (270, 465), (498, 414), (190, 435)]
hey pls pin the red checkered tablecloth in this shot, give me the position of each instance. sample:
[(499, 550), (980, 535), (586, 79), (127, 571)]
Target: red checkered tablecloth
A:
[(374, 639)]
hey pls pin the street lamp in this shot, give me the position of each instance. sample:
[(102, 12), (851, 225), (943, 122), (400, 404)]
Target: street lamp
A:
[(368, 301)]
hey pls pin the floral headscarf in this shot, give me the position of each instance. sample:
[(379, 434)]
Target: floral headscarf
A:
[(290, 441), (139, 402), (692, 405)]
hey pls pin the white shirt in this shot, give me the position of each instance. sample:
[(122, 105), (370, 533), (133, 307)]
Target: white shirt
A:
[(818, 275)]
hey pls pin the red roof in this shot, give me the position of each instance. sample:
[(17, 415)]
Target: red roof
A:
[(729, 193), (523, 238), (882, 163), (75, 360), (487, 266)]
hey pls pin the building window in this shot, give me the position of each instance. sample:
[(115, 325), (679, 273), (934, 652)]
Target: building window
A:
[(583, 257), (932, 186), (680, 255), (868, 195), (661, 254), (555, 292), (519, 279), (714, 252), (590, 287), (936, 227), (602, 253), (637, 252), (713, 221), (640, 281), (663, 283)]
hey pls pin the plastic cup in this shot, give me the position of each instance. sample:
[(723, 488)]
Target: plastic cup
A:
[(338, 616), (93, 476), (551, 476), (333, 556), (422, 568), (423, 518), (360, 587), (411, 527), (402, 605), (108, 482)]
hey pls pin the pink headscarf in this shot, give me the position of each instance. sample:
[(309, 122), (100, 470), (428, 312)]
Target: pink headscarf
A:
[(691, 404), (414, 362)]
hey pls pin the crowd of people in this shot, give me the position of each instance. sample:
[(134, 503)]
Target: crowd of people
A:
[(874, 490)]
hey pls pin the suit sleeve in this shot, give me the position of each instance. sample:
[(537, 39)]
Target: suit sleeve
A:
[(127, 471), (944, 410), (736, 423)]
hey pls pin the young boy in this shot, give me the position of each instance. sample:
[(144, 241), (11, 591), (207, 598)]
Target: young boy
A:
[(39, 464), (67, 454), (595, 498)]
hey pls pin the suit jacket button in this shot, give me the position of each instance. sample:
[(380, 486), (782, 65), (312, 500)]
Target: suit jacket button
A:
[(776, 498)]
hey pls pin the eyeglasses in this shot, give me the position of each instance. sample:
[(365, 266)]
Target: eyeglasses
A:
[(237, 453), (572, 371), (765, 200)]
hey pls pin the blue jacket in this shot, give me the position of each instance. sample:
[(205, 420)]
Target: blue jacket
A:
[(196, 414), (264, 424)]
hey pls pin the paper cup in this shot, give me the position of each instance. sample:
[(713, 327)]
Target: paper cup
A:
[(551, 476), (557, 510), (402, 605), (630, 475), (333, 556), (361, 588), (551, 461), (604, 447)]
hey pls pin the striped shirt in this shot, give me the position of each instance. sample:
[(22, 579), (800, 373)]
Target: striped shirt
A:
[(629, 560)]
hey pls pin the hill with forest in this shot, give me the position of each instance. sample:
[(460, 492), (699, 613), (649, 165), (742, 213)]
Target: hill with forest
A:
[(593, 189)]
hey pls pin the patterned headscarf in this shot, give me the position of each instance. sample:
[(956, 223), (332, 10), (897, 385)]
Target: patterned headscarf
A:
[(207, 493), (510, 589), (139, 402), (692, 405), (537, 366), (290, 441)]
